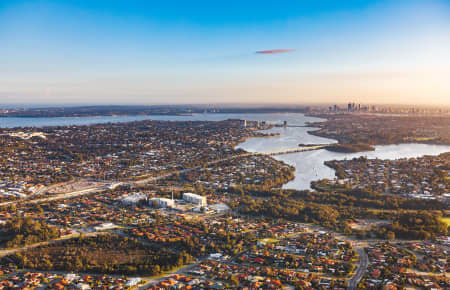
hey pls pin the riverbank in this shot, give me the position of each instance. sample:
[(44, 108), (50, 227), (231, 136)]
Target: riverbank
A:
[(355, 128), (309, 166), (350, 148)]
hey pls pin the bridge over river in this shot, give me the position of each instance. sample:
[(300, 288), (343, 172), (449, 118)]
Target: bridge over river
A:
[(286, 151), (293, 150)]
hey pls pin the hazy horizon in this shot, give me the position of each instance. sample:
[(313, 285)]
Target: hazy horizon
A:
[(342, 105), (140, 53)]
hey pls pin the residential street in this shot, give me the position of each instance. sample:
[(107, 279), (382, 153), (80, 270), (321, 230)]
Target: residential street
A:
[(361, 269)]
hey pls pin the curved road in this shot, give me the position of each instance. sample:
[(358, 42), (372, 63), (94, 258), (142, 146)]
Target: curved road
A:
[(362, 267)]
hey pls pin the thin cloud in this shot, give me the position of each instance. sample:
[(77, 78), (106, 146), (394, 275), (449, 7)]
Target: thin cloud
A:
[(274, 51)]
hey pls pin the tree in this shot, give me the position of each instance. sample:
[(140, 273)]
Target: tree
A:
[(390, 235), (234, 280)]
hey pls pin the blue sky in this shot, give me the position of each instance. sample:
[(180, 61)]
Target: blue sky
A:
[(153, 52)]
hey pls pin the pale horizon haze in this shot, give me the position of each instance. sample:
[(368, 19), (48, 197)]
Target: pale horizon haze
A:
[(206, 52)]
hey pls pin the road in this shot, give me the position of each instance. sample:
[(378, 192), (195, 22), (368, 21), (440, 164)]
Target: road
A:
[(362, 267), (37, 192), (181, 271), (58, 240), (98, 189)]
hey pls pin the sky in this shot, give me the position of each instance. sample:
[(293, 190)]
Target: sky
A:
[(208, 52)]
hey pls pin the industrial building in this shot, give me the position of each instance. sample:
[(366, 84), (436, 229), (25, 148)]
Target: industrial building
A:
[(132, 199), (194, 198), (161, 202)]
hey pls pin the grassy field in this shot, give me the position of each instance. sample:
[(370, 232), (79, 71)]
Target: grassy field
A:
[(269, 241), (331, 188), (424, 138), (446, 220)]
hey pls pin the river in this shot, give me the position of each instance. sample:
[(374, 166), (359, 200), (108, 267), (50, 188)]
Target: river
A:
[(309, 166), (12, 122)]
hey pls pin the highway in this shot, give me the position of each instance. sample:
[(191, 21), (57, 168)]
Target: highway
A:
[(97, 189)]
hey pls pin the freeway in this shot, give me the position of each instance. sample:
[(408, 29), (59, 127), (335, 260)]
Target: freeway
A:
[(97, 189), (55, 197)]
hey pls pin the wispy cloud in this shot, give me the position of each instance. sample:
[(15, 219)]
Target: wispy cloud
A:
[(274, 51)]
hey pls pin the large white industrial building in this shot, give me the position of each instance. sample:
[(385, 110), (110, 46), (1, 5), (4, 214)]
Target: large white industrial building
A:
[(132, 199), (194, 198), (161, 202)]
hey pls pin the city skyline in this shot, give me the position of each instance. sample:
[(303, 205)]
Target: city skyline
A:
[(135, 52)]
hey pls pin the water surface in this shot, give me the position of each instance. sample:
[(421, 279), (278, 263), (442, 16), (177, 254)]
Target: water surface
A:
[(12, 122), (309, 166)]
